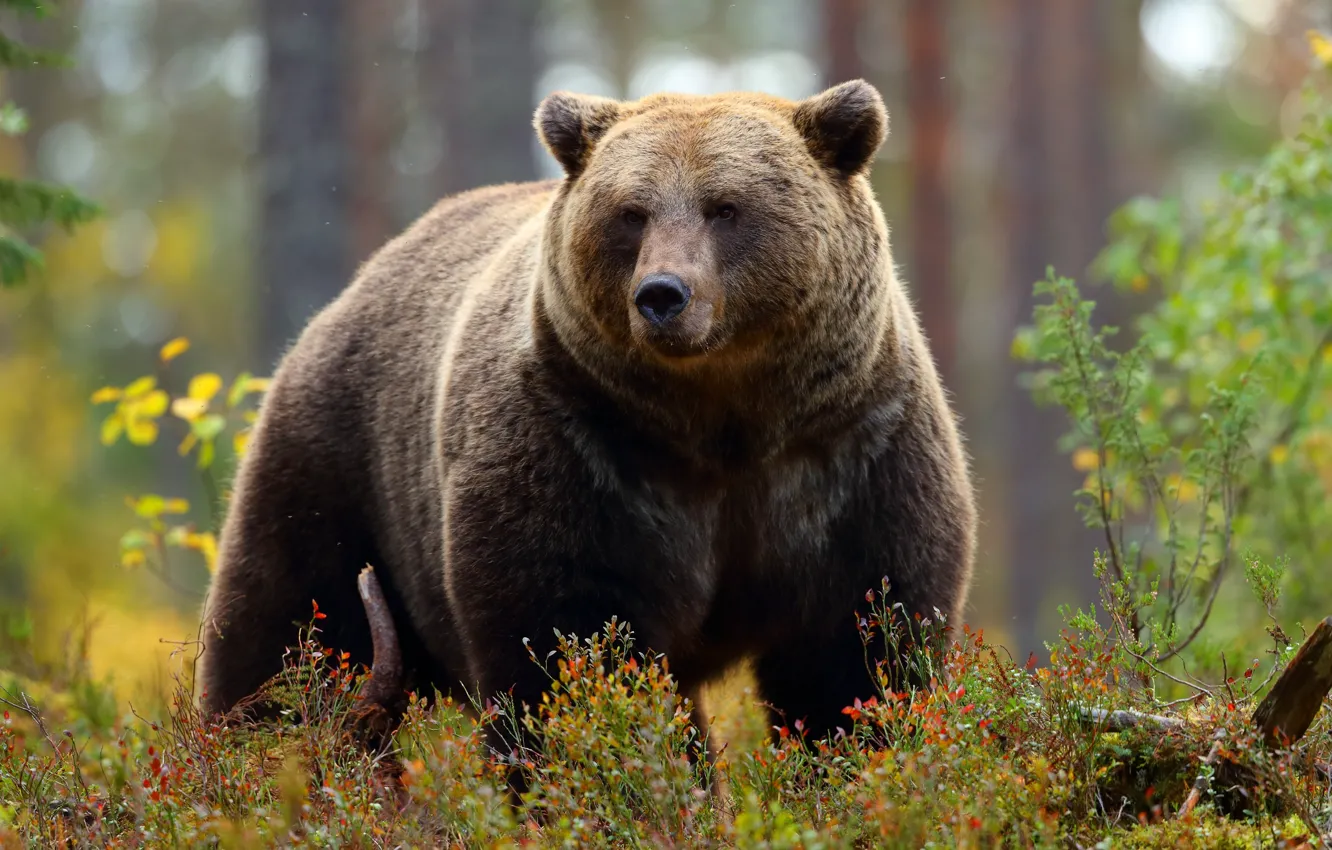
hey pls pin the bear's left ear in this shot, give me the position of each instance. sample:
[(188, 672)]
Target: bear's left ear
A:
[(570, 125), (844, 126)]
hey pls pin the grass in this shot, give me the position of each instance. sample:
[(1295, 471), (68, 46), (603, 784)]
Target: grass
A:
[(990, 753)]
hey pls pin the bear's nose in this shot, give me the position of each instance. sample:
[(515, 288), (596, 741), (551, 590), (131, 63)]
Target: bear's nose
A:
[(661, 297)]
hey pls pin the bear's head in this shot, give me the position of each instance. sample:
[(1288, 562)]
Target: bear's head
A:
[(695, 228)]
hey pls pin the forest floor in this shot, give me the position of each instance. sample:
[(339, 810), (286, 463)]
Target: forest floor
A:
[(991, 753)]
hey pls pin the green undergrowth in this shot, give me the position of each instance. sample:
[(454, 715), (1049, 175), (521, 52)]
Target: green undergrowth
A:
[(988, 753)]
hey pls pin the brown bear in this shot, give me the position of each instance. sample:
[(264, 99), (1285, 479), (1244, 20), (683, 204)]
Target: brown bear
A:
[(682, 386)]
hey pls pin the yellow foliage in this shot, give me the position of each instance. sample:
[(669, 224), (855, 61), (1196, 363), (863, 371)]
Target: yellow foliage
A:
[(1086, 460), (1185, 490), (204, 387), (77, 260), (133, 646), (189, 409), (1279, 454), (1250, 340), (205, 544), (174, 349), (1321, 46), (182, 230)]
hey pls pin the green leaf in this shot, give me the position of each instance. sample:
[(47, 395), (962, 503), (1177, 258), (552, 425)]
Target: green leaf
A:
[(26, 203), (36, 8), (18, 260), (13, 121), (208, 427), (206, 453), (15, 55), (238, 389), (135, 538)]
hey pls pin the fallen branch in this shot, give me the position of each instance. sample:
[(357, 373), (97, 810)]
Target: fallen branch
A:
[(1118, 721), (383, 699)]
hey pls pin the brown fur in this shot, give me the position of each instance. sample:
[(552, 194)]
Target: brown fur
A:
[(485, 417)]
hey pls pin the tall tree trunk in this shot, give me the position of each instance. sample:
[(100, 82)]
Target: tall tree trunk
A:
[(842, 21), (305, 250), (621, 24), (1058, 193), (1024, 213), (486, 60), (929, 107), (375, 115)]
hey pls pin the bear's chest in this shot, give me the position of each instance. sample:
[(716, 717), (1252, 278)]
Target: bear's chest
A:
[(746, 558)]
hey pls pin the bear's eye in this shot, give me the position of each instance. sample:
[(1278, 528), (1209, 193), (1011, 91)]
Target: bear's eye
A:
[(632, 217), (726, 212)]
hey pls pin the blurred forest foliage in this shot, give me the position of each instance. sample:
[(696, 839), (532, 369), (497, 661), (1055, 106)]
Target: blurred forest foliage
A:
[(249, 155)]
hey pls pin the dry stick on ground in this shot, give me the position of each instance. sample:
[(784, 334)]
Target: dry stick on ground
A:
[(1118, 721), (382, 698)]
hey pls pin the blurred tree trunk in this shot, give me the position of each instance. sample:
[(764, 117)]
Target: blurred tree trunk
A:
[(843, 20), (1060, 170), (929, 106), (305, 250), (374, 118), (484, 60), (621, 22)]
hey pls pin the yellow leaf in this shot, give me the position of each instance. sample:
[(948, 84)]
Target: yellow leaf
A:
[(1250, 340), (176, 506), (205, 544), (106, 394), (112, 427), (189, 409), (204, 387), (187, 444), (1321, 45), (132, 558), (1188, 491), (174, 349), (257, 385), (1085, 460), (140, 386), (152, 405), (141, 432), (1279, 454), (239, 441)]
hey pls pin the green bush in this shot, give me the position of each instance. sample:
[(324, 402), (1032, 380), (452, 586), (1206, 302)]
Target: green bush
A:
[(1208, 439)]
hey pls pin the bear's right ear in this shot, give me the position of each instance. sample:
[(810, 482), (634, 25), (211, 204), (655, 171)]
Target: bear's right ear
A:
[(570, 125), (844, 126)]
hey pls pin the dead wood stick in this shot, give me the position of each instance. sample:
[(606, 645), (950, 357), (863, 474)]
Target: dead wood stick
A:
[(382, 698), (1121, 719), (1288, 710), (1201, 784)]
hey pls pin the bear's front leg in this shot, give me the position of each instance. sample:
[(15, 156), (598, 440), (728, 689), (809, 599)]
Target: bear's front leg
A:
[(910, 519), (536, 543)]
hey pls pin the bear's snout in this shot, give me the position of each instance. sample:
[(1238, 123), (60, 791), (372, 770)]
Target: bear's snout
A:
[(661, 297)]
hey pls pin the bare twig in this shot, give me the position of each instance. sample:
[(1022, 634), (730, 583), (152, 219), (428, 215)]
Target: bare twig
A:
[(1202, 783), (24, 704)]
